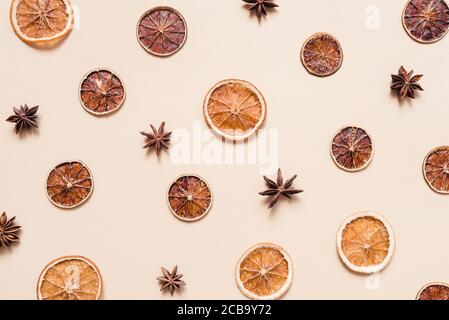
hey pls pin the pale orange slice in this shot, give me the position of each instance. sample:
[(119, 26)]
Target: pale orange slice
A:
[(436, 169), (70, 278), (41, 20), (264, 272), (365, 242)]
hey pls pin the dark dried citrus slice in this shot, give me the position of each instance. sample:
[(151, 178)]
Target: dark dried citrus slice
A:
[(322, 55), (434, 291), (234, 109), (69, 184), (436, 169), (189, 198), (352, 149), (162, 31), (102, 92), (70, 278), (426, 21), (41, 21)]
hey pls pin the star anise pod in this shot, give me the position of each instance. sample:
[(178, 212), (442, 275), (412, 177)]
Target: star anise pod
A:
[(159, 138), (24, 117), (170, 281), (279, 188), (406, 83), (8, 231), (260, 6)]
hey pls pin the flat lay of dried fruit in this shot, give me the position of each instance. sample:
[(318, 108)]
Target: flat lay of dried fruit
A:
[(8, 231), (162, 31), (24, 118), (365, 242), (264, 272), (279, 188), (70, 278), (171, 281), (102, 92), (189, 198), (434, 291), (436, 169), (69, 184), (405, 83), (322, 55), (159, 139), (260, 7), (426, 21), (41, 21), (234, 109)]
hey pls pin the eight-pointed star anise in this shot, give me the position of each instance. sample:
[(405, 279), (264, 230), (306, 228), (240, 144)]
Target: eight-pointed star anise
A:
[(170, 281), (8, 231), (260, 6), (406, 83), (159, 138), (24, 118), (279, 188)]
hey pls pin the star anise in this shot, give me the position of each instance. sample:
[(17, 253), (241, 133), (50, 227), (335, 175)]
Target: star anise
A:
[(170, 281), (159, 138), (406, 83), (8, 231), (279, 188), (260, 6), (24, 118)]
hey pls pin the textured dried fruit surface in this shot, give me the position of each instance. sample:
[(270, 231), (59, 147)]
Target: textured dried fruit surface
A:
[(436, 169), (162, 31), (102, 92), (426, 20), (264, 272), (70, 278), (322, 55), (189, 198), (69, 184), (41, 20), (435, 291), (352, 149), (235, 109)]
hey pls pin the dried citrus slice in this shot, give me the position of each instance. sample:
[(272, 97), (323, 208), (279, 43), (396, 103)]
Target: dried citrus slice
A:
[(69, 184), (162, 31), (322, 55), (434, 291), (41, 20), (426, 21), (365, 242), (234, 109), (189, 198), (352, 149), (436, 169), (102, 92), (264, 272), (70, 278)]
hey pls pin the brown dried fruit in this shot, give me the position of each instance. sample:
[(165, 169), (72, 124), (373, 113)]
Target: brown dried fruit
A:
[(8, 231), (70, 278), (189, 198), (405, 83), (426, 21), (322, 55), (260, 7), (69, 184), (171, 281), (234, 109), (162, 31), (434, 291), (159, 139), (102, 92), (25, 118), (264, 272), (436, 169)]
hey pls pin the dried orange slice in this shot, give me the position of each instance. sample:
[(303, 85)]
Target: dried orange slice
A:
[(102, 92), (264, 272), (426, 21), (189, 198), (69, 184), (70, 278), (162, 31), (41, 20), (234, 109), (436, 169), (365, 242), (322, 55), (352, 149), (434, 291)]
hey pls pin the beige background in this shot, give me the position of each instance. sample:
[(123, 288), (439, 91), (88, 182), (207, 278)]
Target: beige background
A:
[(126, 227)]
